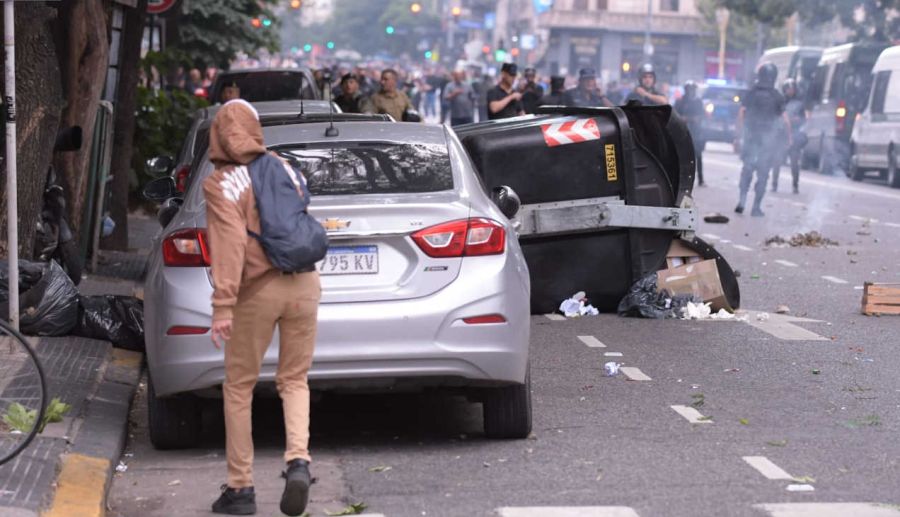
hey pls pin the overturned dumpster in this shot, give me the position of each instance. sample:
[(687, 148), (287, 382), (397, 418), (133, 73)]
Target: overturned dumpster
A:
[(605, 193)]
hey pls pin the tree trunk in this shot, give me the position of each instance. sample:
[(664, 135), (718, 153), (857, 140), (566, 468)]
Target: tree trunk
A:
[(126, 100), (84, 57), (38, 105)]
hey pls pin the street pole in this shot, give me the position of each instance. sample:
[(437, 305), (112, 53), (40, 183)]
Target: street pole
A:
[(12, 202), (722, 16), (648, 43)]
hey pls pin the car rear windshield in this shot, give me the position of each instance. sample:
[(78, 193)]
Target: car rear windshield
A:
[(269, 86), (371, 168)]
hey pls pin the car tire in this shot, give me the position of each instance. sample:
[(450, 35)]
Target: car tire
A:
[(854, 171), (174, 422), (507, 410), (824, 167), (893, 170)]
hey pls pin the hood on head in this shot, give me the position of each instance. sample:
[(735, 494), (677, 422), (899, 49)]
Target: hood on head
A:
[(235, 137)]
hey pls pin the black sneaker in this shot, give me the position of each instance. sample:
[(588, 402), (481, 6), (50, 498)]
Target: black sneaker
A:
[(236, 501), (739, 209), (296, 488)]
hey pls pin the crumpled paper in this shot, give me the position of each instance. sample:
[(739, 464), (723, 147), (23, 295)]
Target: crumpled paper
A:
[(575, 307), (702, 311)]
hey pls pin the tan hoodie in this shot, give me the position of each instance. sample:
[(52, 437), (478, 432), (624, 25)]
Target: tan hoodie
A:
[(238, 260)]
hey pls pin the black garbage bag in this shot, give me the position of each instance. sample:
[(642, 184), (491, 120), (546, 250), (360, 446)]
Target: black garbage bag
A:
[(117, 319), (48, 300), (644, 301)]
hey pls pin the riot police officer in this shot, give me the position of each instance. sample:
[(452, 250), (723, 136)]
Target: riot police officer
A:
[(762, 111), (587, 94), (645, 91), (690, 107), (796, 114)]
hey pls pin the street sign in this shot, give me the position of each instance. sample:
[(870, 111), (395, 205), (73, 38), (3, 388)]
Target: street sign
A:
[(159, 6)]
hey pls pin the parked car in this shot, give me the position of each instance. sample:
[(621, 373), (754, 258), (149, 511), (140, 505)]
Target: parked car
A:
[(797, 63), (424, 285), (180, 166), (722, 104), (875, 142), (267, 84), (838, 92)]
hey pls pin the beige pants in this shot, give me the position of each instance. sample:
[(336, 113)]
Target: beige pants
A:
[(291, 302)]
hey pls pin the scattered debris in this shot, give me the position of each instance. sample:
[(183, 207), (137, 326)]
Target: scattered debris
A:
[(816, 371), (380, 468), (644, 300), (800, 488), (176, 482), (731, 370), (121, 467), (880, 299), (804, 479), (762, 316), (869, 421), (777, 443), (811, 239), (743, 421), (782, 309), (353, 509), (702, 311), (699, 400), (716, 218), (611, 368), (577, 306)]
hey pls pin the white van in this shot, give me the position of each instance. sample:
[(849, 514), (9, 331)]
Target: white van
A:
[(875, 142)]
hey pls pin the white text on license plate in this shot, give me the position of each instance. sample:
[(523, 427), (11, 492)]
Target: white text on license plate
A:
[(350, 260)]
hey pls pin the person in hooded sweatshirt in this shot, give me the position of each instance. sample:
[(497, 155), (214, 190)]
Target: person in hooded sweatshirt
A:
[(250, 298)]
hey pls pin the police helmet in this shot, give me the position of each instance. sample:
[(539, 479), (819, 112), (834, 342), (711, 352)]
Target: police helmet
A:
[(646, 69), (788, 84), (690, 88), (766, 75)]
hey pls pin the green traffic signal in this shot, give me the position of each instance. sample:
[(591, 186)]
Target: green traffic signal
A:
[(389, 29), (307, 48), (267, 22), (330, 45)]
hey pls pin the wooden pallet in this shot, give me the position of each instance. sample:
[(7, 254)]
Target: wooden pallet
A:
[(881, 299)]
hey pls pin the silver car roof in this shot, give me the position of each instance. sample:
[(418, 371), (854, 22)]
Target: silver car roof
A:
[(369, 131), (288, 107)]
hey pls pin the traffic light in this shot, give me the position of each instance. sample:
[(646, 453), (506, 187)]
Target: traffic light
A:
[(330, 45), (486, 49), (256, 23), (296, 4), (500, 55), (389, 29), (307, 48), (428, 54), (267, 22), (514, 52), (456, 11), (415, 7)]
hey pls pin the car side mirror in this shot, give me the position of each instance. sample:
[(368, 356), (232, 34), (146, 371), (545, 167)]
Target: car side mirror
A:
[(411, 116), (159, 165), (506, 200), (160, 189), (167, 211)]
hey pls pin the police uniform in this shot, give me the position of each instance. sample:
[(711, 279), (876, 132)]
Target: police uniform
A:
[(580, 98), (763, 108), (796, 112)]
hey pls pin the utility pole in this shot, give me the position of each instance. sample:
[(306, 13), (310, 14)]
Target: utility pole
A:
[(648, 41), (12, 202)]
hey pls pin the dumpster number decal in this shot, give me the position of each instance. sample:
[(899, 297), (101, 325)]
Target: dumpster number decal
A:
[(611, 162), (572, 132)]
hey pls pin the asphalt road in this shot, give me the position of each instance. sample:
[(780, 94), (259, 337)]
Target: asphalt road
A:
[(795, 415)]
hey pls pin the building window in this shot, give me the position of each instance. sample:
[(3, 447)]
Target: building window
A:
[(668, 5), (602, 5), (579, 5)]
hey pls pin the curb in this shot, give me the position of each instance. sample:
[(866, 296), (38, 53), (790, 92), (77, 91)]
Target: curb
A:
[(87, 469)]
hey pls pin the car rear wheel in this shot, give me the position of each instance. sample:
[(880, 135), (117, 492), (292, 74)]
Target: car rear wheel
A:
[(893, 170), (507, 410), (174, 422), (854, 171), (825, 166)]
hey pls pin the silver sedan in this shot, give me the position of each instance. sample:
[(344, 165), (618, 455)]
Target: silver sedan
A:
[(424, 284)]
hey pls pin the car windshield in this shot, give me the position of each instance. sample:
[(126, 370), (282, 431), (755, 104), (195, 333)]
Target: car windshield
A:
[(723, 94), (269, 86), (372, 168)]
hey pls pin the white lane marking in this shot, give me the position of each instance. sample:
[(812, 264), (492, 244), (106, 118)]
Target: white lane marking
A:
[(861, 218), (725, 241), (846, 187), (567, 511), (829, 509), (834, 279), (765, 467), (555, 317), (591, 341), (612, 354), (634, 374), (741, 247), (892, 225), (783, 327), (710, 236), (796, 487), (692, 415), (858, 287), (798, 203), (786, 263)]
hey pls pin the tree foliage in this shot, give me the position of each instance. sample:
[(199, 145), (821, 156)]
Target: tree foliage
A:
[(213, 32)]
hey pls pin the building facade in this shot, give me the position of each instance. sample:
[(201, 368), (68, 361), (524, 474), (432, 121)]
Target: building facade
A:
[(609, 36)]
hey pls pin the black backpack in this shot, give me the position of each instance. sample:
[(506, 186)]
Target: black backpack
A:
[(291, 238)]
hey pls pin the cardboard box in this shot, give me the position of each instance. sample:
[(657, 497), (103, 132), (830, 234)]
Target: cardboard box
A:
[(700, 279), (881, 299), (679, 255)]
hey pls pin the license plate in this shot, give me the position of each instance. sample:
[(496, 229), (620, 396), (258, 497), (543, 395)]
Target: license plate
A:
[(350, 260)]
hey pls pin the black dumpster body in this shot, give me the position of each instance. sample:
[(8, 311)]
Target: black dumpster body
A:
[(604, 192)]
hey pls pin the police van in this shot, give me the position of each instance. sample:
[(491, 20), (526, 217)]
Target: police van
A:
[(875, 143)]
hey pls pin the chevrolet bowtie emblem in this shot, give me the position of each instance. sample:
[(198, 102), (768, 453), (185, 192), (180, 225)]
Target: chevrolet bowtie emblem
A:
[(332, 225)]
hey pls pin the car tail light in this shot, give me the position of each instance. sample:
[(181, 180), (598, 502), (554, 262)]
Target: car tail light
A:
[(186, 248), (488, 318), (185, 330), (840, 115), (181, 176), (463, 238)]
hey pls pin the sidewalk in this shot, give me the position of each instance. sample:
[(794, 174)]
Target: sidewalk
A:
[(67, 469)]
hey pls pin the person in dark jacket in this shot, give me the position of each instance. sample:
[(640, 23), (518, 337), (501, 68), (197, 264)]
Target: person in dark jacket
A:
[(690, 107), (556, 97), (531, 91), (350, 100), (503, 101), (761, 114), (587, 94), (796, 113), (645, 92)]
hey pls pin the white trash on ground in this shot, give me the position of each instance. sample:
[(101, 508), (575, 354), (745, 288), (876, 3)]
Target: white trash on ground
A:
[(702, 311), (576, 307)]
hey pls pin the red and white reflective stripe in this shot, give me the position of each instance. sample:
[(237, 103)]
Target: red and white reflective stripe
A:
[(571, 132)]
